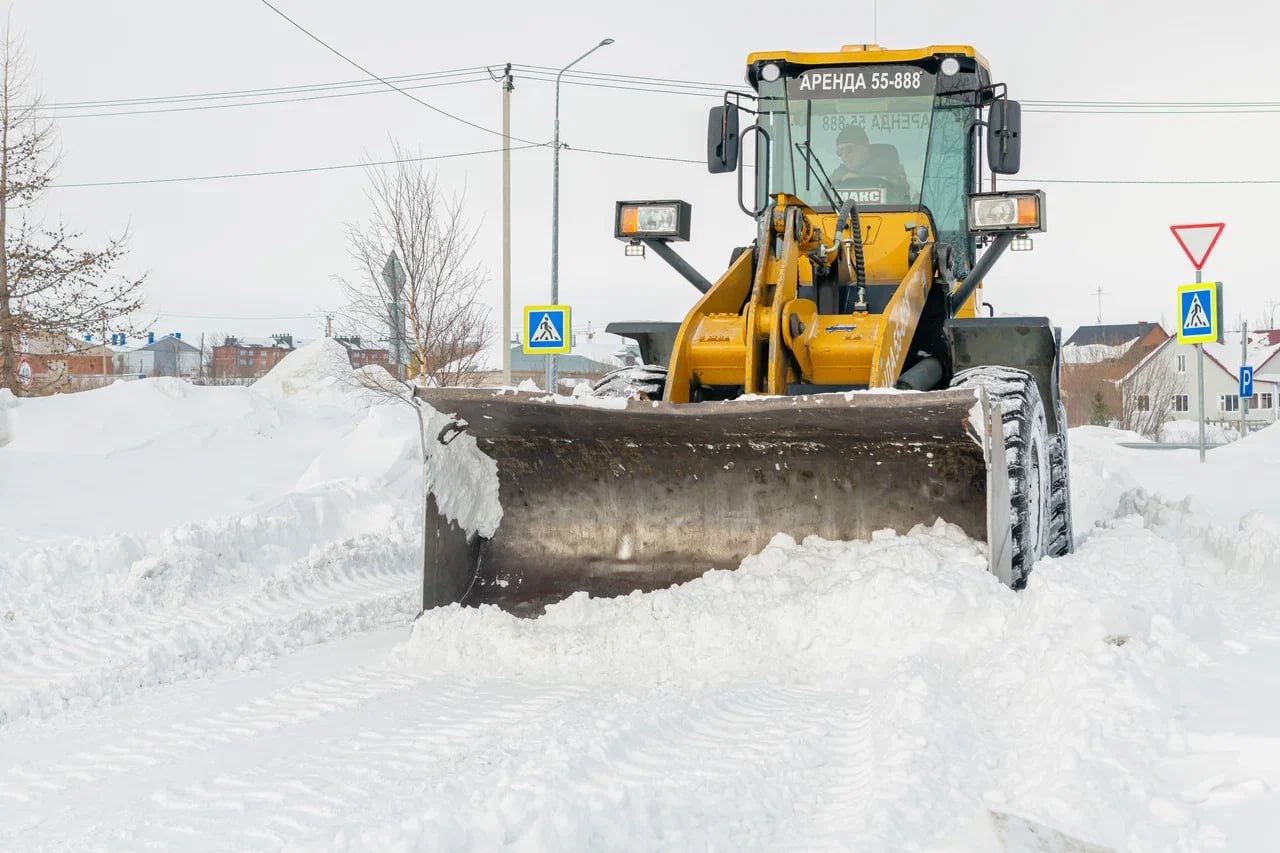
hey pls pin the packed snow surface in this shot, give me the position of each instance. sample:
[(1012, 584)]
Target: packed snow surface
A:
[(207, 642)]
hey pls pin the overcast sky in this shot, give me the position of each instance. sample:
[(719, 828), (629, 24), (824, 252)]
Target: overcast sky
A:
[(258, 255)]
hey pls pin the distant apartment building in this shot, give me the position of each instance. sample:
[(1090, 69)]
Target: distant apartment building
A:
[(363, 356), (249, 358)]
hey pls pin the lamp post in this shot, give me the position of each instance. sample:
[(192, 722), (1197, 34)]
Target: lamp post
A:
[(555, 209)]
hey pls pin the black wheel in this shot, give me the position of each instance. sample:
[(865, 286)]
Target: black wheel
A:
[(638, 381), (1026, 446), (1061, 538)]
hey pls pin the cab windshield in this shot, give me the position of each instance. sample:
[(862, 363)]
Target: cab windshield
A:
[(884, 134)]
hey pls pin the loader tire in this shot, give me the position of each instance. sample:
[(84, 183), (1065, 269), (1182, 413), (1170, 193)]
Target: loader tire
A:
[(638, 382), (1027, 452), (1061, 539)]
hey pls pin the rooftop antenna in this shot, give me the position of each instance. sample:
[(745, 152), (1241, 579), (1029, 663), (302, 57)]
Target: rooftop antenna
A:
[(875, 21), (1098, 293)]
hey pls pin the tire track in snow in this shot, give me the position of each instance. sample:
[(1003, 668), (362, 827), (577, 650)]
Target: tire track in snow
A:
[(223, 731), (328, 771), (349, 586)]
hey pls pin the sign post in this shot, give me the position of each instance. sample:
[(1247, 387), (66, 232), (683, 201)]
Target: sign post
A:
[(1246, 378), (1199, 304), (393, 277)]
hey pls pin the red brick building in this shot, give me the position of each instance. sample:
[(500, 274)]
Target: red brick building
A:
[(246, 358), (362, 356), (249, 358)]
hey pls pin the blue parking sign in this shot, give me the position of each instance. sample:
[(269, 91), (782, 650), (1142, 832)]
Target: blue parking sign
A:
[(547, 329), (1246, 381)]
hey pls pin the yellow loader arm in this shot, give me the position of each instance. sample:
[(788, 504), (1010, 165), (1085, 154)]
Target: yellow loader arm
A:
[(759, 326)]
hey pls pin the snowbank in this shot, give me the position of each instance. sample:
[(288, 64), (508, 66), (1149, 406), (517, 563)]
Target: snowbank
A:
[(961, 700), (156, 531), (799, 609), (319, 367), (1188, 432)]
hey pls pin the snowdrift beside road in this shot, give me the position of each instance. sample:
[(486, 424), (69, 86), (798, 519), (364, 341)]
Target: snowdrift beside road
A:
[(196, 524)]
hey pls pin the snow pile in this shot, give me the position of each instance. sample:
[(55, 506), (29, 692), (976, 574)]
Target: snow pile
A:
[(816, 597), (320, 366), (971, 699), (157, 531), (1188, 432)]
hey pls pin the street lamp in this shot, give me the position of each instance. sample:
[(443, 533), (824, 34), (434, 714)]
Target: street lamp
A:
[(555, 210)]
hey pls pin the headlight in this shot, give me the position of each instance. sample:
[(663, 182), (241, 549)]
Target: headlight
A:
[(1014, 211), (664, 220)]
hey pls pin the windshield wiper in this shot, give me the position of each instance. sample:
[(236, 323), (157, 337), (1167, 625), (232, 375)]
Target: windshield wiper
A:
[(814, 165)]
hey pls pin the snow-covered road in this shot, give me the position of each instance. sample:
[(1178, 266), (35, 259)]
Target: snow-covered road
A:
[(244, 674)]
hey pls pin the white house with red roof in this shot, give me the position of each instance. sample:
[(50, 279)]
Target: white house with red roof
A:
[(1164, 383)]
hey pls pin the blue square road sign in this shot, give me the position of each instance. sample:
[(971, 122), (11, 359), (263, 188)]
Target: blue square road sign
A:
[(1200, 313), (1246, 381), (547, 329)]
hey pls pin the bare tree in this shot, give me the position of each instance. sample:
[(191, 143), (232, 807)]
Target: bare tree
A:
[(446, 327), (48, 285), (1147, 396)]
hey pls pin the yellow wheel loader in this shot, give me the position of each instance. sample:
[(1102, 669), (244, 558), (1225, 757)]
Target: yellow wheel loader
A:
[(836, 380)]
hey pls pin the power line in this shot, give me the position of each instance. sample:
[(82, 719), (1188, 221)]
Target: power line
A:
[(184, 316), (411, 97), (632, 155), (202, 107), (273, 90), (594, 79), (288, 171)]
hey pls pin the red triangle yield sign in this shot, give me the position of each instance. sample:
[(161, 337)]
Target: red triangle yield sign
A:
[(1198, 240)]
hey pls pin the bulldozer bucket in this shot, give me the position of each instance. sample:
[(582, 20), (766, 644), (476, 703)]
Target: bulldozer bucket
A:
[(530, 500)]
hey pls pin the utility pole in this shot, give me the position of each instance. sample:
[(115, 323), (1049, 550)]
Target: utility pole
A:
[(555, 208), (508, 83), (328, 325)]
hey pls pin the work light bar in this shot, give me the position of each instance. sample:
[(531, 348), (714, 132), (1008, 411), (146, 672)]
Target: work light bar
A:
[(652, 220), (1006, 211)]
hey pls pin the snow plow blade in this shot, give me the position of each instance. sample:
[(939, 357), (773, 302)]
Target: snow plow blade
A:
[(612, 500)]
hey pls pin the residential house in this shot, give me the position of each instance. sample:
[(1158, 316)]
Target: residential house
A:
[(168, 356), (58, 362), (1093, 360), (1163, 385)]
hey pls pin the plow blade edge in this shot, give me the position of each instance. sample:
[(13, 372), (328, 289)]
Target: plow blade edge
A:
[(609, 500)]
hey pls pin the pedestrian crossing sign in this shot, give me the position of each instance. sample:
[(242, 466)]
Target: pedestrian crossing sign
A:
[(547, 330), (1200, 313)]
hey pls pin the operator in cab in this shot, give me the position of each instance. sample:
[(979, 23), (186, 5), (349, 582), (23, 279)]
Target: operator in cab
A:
[(867, 168)]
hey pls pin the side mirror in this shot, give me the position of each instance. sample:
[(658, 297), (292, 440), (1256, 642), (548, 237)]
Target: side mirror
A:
[(1004, 142), (722, 139)]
